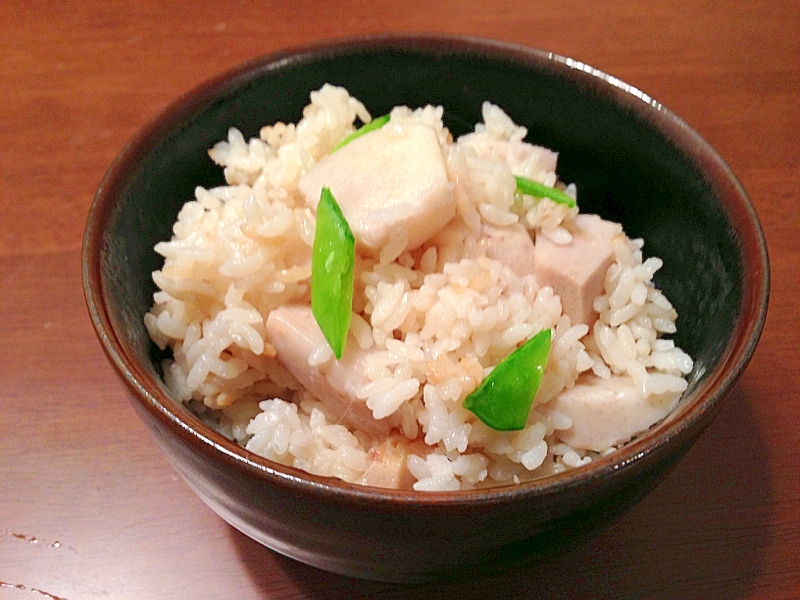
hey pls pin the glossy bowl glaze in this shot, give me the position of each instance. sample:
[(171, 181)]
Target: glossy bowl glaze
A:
[(632, 160)]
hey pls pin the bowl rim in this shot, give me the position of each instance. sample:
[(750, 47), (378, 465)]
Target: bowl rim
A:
[(696, 408)]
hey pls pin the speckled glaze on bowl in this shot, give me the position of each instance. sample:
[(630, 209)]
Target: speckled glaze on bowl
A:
[(633, 161)]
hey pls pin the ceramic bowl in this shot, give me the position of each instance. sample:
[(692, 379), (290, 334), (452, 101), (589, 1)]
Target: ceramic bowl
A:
[(633, 161)]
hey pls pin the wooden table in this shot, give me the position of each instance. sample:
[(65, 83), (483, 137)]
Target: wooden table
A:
[(90, 509)]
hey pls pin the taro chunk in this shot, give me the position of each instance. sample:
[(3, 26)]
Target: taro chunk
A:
[(576, 271), (609, 412), (510, 245), (391, 184), (295, 334)]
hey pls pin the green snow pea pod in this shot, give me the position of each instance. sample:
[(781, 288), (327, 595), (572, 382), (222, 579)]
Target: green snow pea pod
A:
[(539, 190), (504, 398), (376, 123), (332, 267)]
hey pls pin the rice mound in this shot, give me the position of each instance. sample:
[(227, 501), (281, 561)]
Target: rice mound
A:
[(437, 318)]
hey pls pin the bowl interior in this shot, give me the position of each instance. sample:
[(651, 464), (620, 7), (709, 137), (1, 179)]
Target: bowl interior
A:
[(633, 162)]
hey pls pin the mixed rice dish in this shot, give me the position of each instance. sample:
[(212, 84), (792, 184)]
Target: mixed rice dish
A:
[(392, 307)]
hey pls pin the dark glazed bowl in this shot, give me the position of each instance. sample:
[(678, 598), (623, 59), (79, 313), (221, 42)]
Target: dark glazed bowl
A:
[(633, 161)]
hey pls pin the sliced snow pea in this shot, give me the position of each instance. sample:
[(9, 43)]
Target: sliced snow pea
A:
[(504, 398), (332, 267), (376, 123), (539, 190)]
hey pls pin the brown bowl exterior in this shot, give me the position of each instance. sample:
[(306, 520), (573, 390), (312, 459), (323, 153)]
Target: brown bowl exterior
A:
[(616, 143)]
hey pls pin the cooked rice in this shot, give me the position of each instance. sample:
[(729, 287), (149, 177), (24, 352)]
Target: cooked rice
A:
[(437, 319)]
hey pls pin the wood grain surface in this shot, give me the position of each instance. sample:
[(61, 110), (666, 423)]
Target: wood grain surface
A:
[(90, 509)]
